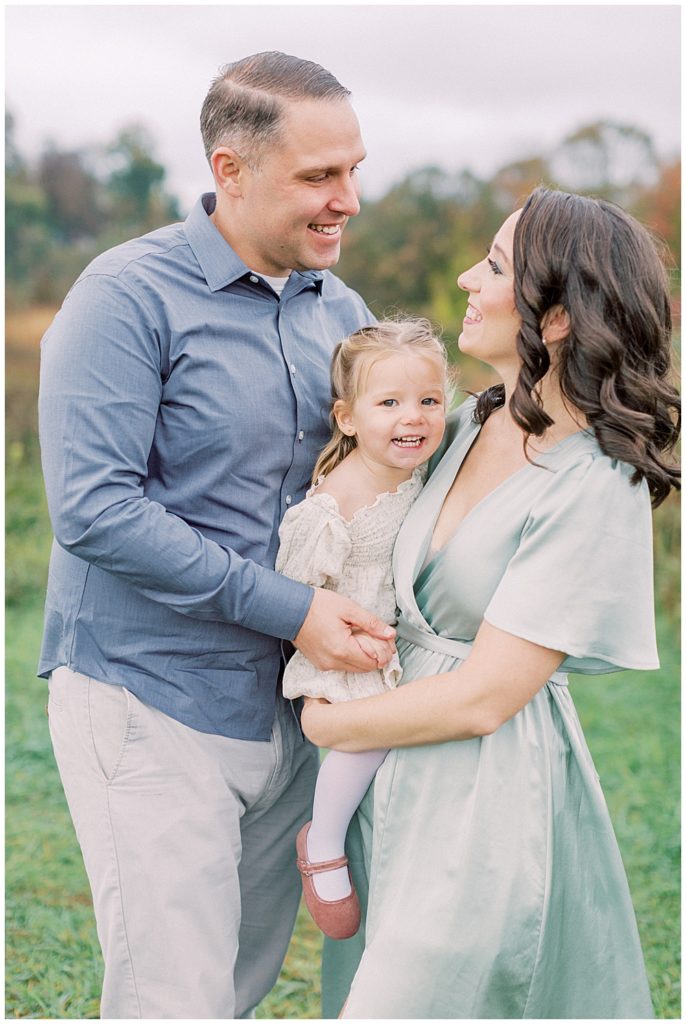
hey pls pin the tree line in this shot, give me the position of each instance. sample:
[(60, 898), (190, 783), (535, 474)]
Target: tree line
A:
[(65, 207), (405, 249)]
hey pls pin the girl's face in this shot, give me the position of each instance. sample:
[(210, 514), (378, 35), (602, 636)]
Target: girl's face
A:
[(398, 419), (492, 322)]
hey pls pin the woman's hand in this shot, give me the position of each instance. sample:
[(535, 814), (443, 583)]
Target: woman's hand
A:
[(311, 718), (309, 701)]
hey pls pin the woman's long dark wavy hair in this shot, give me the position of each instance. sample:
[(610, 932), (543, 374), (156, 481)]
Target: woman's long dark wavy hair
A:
[(590, 257)]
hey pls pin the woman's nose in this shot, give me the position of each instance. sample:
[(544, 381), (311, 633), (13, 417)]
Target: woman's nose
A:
[(468, 279), (463, 281)]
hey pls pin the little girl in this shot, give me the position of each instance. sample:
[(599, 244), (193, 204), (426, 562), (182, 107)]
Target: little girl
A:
[(389, 391)]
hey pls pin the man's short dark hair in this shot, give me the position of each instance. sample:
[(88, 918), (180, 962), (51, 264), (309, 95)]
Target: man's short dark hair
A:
[(245, 104)]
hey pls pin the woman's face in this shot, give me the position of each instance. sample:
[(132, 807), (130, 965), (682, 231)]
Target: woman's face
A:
[(492, 322)]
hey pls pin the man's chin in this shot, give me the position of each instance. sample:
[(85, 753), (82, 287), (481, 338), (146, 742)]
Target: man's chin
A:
[(322, 262)]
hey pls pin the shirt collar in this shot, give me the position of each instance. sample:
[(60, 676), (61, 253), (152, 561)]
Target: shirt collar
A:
[(218, 261)]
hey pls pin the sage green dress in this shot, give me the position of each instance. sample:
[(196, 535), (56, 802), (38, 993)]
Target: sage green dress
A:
[(489, 869)]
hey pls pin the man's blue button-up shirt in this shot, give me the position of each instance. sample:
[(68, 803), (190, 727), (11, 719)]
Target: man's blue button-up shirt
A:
[(182, 407)]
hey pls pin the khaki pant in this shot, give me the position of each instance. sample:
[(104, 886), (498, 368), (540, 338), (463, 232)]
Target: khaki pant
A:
[(189, 845)]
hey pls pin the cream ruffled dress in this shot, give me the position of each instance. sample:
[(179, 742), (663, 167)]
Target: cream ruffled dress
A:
[(354, 558)]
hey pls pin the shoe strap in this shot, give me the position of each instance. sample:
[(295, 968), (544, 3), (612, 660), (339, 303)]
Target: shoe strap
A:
[(306, 867)]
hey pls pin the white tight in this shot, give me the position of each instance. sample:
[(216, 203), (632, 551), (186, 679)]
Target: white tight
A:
[(342, 782)]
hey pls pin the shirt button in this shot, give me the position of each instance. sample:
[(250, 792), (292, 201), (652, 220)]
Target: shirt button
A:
[(292, 367), (288, 499), (301, 435), (254, 279)]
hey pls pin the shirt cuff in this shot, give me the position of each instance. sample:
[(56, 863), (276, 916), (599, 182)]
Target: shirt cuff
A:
[(279, 607)]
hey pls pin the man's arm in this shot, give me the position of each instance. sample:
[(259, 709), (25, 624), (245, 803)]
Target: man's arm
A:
[(101, 386)]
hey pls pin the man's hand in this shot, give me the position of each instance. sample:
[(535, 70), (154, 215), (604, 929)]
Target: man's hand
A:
[(328, 636)]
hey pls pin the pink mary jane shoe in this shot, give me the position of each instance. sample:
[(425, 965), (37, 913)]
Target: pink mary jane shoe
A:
[(339, 919)]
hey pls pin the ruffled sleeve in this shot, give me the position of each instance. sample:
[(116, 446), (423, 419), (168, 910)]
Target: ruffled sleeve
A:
[(315, 543), (581, 580)]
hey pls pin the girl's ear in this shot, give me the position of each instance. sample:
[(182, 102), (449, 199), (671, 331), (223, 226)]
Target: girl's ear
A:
[(555, 325), (343, 415)]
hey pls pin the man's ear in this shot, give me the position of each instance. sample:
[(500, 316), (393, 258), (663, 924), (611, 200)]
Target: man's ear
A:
[(229, 171), (555, 325), (344, 417)]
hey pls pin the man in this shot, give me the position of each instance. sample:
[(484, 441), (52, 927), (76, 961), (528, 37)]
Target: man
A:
[(184, 397)]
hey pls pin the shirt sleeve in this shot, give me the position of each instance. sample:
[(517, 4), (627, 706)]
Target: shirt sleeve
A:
[(581, 580), (315, 544), (101, 386)]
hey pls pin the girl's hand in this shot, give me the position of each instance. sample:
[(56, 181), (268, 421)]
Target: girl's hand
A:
[(381, 650)]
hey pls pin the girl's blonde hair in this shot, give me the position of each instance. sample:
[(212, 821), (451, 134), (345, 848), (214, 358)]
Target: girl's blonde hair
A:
[(350, 364)]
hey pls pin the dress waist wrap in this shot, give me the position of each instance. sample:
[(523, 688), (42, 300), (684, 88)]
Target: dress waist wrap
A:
[(445, 645)]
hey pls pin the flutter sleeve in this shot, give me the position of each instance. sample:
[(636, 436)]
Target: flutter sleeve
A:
[(314, 543), (581, 580)]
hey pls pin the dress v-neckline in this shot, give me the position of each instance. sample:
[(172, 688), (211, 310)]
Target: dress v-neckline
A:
[(430, 557)]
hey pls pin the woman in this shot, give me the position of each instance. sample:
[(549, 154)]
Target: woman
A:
[(495, 885)]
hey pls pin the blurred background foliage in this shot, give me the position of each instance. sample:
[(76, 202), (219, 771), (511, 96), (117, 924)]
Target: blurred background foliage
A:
[(403, 252), (65, 207)]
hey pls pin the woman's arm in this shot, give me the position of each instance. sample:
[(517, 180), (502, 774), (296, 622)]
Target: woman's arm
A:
[(501, 675)]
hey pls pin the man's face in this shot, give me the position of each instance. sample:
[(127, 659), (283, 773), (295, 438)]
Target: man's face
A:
[(295, 205)]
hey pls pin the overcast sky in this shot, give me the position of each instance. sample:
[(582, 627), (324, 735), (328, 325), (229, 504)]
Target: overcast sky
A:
[(454, 85)]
